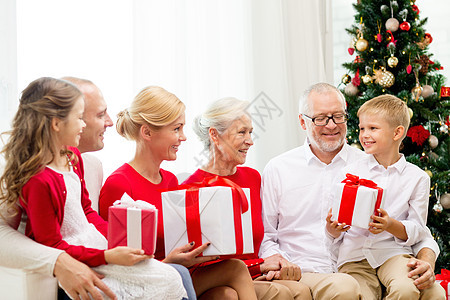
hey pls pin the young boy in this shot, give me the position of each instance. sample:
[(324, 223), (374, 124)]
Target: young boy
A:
[(380, 253)]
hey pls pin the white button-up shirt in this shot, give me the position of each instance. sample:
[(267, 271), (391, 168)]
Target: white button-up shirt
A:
[(296, 196), (406, 191)]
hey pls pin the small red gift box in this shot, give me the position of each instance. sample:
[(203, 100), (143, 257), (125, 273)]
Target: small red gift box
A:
[(444, 280), (359, 200), (132, 224)]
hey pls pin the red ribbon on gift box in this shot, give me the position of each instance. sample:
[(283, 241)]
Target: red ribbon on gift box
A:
[(348, 200), (240, 206), (445, 279)]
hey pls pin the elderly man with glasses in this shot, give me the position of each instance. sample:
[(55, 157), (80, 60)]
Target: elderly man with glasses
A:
[(296, 196)]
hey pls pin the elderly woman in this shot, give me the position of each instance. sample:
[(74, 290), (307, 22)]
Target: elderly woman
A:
[(225, 128)]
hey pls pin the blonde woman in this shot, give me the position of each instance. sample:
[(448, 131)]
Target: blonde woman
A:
[(155, 121)]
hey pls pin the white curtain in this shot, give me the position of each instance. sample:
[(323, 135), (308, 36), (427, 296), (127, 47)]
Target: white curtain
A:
[(264, 51)]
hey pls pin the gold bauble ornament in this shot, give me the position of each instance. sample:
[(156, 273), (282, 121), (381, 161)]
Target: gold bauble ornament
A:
[(429, 173), (392, 24), (356, 145), (346, 78), (433, 141), (427, 91), (416, 92), (367, 79), (392, 61), (411, 113), (362, 44), (445, 201), (384, 78)]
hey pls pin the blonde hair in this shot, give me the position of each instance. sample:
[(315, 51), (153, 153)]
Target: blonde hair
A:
[(388, 107), (219, 115), (153, 106), (30, 139)]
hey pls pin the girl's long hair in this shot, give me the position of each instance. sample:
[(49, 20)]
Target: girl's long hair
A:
[(30, 142)]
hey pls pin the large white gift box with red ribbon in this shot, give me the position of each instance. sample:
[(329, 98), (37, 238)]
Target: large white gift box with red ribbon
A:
[(220, 215), (132, 224), (358, 200)]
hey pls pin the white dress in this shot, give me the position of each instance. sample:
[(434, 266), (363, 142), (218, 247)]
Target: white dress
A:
[(150, 279)]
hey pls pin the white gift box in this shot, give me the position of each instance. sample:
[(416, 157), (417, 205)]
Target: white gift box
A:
[(356, 210), (216, 218)]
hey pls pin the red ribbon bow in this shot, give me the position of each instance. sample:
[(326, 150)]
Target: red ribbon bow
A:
[(352, 183), (240, 206), (445, 277)]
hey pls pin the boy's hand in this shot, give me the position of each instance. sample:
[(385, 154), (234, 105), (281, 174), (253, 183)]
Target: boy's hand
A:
[(380, 223), (125, 256), (334, 228)]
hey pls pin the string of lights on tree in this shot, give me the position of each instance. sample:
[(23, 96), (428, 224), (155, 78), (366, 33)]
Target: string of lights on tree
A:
[(389, 49)]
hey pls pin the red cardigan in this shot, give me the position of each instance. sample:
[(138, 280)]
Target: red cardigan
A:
[(245, 177), (44, 197), (127, 180)]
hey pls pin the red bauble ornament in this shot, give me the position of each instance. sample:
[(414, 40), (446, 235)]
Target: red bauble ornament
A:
[(405, 26), (428, 36), (415, 9), (379, 38), (351, 51), (409, 69)]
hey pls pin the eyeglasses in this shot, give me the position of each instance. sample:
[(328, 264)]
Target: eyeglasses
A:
[(323, 120)]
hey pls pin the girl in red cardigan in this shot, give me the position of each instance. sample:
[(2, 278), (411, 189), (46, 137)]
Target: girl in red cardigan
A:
[(44, 173), (225, 130), (155, 121)]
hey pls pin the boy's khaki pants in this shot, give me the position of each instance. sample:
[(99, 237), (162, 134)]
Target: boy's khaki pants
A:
[(393, 274)]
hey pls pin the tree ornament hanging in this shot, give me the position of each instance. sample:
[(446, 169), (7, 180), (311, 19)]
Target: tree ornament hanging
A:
[(392, 24), (346, 78), (384, 78), (438, 208), (445, 201), (362, 44), (433, 141), (378, 37), (424, 62), (427, 91), (405, 26), (392, 61), (411, 112), (429, 173), (367, 79), (416, 91), (415, 9), (409, 67), (351, 46), (426, 40), (351, 90)]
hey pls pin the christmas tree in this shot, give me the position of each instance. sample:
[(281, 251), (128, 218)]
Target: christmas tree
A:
[(389, 46)]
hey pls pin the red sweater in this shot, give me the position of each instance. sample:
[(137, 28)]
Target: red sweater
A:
[(127, 180), (44, 197), (246, 178)]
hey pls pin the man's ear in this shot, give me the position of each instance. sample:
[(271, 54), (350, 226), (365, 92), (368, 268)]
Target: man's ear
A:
[(213, 135), (146, 132), (302, 122), (398, 132), (56, 124)]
